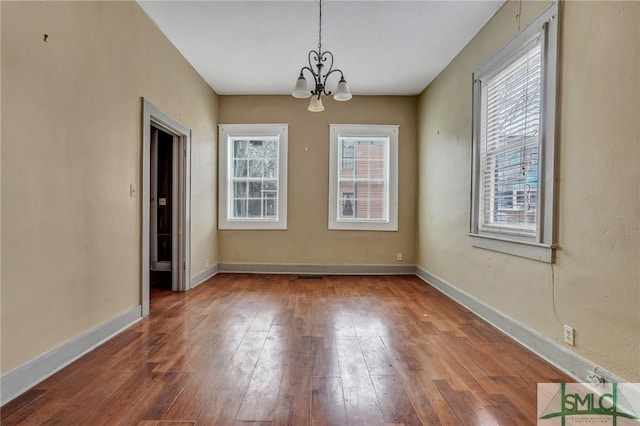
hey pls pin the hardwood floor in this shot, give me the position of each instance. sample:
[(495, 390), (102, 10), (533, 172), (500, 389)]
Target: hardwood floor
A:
[(276, 349)]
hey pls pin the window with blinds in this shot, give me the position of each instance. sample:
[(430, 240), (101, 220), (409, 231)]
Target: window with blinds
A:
[(514, 128), (510, 144), (363, 177), (362, 181)]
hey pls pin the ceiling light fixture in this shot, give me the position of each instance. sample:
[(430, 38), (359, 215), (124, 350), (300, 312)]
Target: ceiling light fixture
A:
[(317, 59)]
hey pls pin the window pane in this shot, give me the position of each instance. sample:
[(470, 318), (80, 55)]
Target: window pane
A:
[(255, 189), (271, 168), (270, 207), (347, 186), (370, 201), (347, 154), (347, 204), (240, 148), (271, 149), (240, 168), (255, 149), (240, 189), (255, 208), (255, 168), (376, 169), (240, 208)]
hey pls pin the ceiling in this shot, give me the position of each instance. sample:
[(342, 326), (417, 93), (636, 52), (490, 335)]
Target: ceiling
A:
[(258, 47)]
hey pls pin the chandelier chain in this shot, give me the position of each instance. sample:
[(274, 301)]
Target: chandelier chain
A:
[(320, 31)]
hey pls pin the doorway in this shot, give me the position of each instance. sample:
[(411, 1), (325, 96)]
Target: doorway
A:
[(165, 203), (163, 210)]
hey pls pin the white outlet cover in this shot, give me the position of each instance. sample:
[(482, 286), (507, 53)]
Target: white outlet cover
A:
[(568, 335)]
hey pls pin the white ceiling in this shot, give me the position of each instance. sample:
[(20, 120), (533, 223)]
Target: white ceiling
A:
[(258, 47)]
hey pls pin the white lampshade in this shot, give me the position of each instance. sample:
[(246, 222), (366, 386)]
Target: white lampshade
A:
[(316, 104), (301, 91), (342, 91)]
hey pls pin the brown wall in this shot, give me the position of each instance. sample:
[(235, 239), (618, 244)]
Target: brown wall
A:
[(307, 239)]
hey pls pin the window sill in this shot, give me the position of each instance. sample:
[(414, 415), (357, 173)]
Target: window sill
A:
[(354, 225), (535, 251), (362, 228), (252, 224)]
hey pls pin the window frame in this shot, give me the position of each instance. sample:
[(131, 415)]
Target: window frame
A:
[(336, 131), (226, 135), (542, 245)]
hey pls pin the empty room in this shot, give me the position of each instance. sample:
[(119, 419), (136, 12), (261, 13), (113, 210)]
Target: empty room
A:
[(325, 212)]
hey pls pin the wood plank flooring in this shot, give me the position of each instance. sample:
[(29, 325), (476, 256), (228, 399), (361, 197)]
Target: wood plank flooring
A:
[(279, 350)]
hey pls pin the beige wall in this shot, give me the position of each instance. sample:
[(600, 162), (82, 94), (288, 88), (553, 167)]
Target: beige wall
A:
[(71, 145), (597, 275), (307, 239)]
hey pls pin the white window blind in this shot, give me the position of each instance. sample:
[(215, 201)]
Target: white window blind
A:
[(363, 178), (510, 144), (513, 187)]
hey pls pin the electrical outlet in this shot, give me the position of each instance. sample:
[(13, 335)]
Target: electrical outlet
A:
[(568, 335), (399, 256), (132, 190), (595, 378), (207, 263)]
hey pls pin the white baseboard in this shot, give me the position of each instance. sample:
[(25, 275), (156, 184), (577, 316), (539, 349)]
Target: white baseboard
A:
[(202, 276), (310, 269), (568, 361), (22, 378)]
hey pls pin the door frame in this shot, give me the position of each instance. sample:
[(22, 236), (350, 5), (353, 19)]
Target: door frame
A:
[(154, 116)]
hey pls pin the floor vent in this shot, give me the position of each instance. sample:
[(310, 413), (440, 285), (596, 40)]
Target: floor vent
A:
[(310, 277)]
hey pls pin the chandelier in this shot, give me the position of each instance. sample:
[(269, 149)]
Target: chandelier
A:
[(319, 60)]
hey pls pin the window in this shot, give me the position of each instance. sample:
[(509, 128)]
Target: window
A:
[(363, 177), (514, 144), (253, 176)]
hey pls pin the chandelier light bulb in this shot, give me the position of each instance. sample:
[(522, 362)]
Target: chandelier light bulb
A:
[(301, 90), (342, 91), (316, 104)]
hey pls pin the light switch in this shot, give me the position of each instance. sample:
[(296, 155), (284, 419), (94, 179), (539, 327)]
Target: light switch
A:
[(132, 190), (162, 201)]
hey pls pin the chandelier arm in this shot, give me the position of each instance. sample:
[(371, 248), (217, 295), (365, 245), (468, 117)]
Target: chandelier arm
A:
[(313, 59), (318, 88), (327, 55), (322, 78), (305, 68), (326, 76), (331, 72)]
